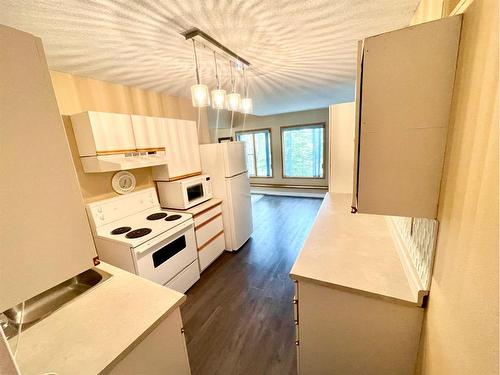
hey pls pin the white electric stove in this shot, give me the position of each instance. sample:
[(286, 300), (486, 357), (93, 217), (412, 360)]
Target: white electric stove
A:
[(134, 233)]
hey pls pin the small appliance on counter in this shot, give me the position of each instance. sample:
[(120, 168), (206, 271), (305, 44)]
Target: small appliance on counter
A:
[(185, 193), (133, 233)]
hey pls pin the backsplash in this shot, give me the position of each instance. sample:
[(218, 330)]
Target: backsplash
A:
[(418, 237)]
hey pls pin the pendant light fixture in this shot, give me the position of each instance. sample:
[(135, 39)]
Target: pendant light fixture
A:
[(233, 99), (246, 102), (218, 95), (199, 92), (220, 99)]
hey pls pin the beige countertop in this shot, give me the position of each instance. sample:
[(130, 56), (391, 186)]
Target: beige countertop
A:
[(201, 207), (354, 252), (98, 328)]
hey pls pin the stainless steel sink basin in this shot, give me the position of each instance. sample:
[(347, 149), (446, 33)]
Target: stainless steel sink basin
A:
[(46, 303)]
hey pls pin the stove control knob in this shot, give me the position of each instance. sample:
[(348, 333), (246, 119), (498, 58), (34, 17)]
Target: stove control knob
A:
[(101, 217), (99, 209)]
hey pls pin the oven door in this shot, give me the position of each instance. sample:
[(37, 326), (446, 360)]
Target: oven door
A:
[(170, 254)]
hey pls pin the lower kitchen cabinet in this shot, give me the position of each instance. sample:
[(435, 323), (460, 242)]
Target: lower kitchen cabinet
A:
[(344, 332), (357, 310), (209, 231), (163, 351)]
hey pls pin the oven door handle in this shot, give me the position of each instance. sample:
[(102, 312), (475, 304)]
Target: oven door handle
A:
[(176, 231)]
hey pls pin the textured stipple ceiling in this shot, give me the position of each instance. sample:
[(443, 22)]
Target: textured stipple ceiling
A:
[(303, 52)]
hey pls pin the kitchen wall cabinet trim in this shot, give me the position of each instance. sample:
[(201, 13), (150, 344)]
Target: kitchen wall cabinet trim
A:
[(405, 82)]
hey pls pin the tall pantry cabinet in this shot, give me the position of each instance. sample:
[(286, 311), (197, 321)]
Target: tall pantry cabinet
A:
[(44, 232)]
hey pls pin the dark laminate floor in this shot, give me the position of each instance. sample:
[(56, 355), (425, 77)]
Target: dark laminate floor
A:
[(238, 318)]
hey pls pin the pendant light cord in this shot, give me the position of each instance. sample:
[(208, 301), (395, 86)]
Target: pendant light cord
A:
[(196, 63), (232, 120), (216, 72), (233, 88), (217, 127), (198, 124)]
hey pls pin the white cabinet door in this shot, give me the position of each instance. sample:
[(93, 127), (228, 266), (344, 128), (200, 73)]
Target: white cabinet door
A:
[(182, 149), (45, 235), (407, 79), (147, 132), (112, 132), (103, 133), (189, 131), (163, 351)]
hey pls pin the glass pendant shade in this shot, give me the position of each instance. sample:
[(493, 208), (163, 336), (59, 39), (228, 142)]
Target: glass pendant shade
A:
[(233, 102), (218, 99), (200, 95), (246, 105)]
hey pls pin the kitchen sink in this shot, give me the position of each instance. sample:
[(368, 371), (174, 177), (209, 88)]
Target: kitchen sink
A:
[(46, 303)]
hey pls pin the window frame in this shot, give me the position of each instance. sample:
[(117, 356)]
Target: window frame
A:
[(303, 126), (261, 130)]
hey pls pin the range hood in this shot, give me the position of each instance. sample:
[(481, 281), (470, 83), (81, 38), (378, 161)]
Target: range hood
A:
[(113, 141), (120, 162)]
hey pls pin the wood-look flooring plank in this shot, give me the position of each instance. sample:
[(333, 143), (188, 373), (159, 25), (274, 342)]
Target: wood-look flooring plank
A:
[(238, 318)]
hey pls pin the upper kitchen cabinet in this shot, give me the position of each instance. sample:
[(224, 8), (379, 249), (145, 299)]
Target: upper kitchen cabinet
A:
[(44, 232), (404, 90), (101, 133), (113, 141), (148, 133), (182, 149)]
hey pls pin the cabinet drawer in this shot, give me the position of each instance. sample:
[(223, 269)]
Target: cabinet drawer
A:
[(208, 230), (203, 217), (211, 251)]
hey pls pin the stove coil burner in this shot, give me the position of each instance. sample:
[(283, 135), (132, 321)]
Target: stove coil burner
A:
[(173, 217), (120, 230), (138, 233), (157, 216)]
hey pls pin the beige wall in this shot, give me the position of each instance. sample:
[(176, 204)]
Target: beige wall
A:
[(77, 94), (274, 122), (460, 333), (342, 120)]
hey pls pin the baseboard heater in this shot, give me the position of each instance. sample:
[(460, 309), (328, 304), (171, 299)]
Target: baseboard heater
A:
[(285, 186)]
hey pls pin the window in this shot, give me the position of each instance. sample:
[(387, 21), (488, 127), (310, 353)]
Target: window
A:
[(258, 152), (302, 149)]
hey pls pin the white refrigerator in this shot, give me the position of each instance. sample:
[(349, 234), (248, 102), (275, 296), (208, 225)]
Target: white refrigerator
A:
[(226, 165)]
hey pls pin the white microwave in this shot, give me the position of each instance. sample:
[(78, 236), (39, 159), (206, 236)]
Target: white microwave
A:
[(185, 193)]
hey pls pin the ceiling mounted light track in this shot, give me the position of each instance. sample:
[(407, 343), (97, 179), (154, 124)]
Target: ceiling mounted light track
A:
[(203, 38), (199, 92)]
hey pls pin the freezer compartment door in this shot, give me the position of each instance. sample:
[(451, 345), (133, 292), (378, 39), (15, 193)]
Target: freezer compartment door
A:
[(239, 206), (234, 158)]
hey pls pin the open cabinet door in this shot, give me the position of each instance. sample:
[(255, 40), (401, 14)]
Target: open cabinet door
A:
[(44, 231)]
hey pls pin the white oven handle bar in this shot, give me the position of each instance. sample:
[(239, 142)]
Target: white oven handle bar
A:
[(146, 247)]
